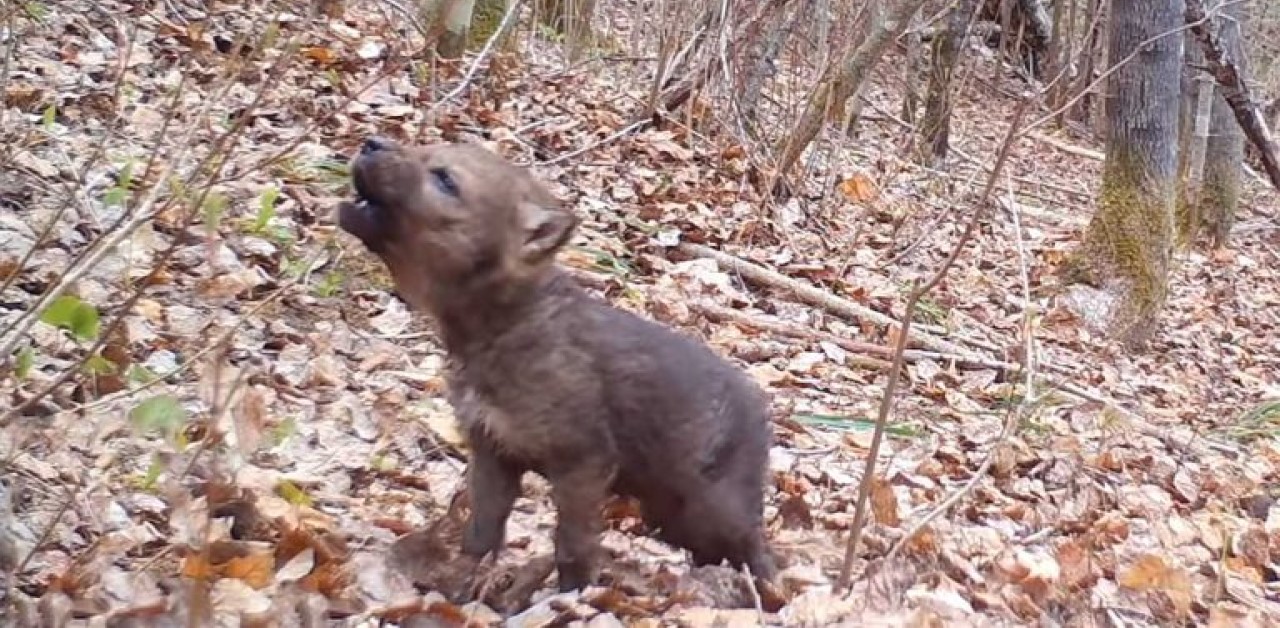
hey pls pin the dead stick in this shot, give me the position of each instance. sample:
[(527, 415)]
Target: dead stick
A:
[(812, 295), (900, 345)]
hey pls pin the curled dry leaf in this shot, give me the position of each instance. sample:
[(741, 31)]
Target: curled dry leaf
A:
[(1153, 573)]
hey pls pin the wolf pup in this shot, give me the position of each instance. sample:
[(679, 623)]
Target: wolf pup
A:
[(546, 378)]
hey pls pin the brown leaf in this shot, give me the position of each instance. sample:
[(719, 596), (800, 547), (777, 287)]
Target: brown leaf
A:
[(195, 566), (1151, 573), (256, 570), (884, 504), (859, 188), (250, 417), (319, 54)]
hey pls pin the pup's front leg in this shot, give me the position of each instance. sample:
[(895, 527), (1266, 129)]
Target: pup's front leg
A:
[(494, 484), (579, 493)]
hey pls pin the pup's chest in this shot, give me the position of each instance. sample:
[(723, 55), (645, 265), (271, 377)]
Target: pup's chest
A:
[(512, 434)]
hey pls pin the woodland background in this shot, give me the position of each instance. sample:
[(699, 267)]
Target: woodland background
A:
[(217, 414)]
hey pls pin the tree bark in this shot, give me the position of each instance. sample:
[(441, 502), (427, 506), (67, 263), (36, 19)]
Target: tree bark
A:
[(1224, 153), (455, 18), (852, 106), (911, 70), (1230, 78), (836, 88), (1127, 245), (570, 18), (935, 128), (761, 61)]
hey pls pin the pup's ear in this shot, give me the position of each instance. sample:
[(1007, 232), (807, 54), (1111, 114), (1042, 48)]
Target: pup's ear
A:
[(546, 226)]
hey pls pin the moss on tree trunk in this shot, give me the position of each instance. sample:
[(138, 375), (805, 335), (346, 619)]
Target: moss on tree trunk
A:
[(1127, 245), (1224, 154)]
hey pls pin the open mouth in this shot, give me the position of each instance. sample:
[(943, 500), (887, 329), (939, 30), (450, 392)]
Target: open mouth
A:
[(366, 217), (365, 220)]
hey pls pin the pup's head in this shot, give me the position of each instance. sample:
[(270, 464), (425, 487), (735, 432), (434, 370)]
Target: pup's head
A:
[(451, 217)]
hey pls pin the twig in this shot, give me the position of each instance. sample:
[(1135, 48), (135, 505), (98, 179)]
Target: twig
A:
[(630, 128), (1013, 417), (886, 401)]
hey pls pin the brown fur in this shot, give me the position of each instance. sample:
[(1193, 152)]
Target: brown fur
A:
[(546, 378)]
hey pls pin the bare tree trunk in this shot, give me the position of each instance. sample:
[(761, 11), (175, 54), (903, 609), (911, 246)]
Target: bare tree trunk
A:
[(456, 19), (935, 128), (1066, 38), (1234, 89), (762, 63), (1090, 54), (1199, 140), (911, 72), (1224, 154), (853, 107), (1039, 32), (1127, 246), (836, 88), (570, 18), (1193, 130)]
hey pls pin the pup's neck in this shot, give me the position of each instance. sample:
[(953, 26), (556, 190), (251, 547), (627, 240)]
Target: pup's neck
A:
[(470, 317)]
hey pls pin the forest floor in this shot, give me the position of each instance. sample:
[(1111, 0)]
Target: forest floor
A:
[(304, 432)]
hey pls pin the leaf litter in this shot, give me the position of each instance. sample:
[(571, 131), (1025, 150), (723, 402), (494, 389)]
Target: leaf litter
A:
[(264, 440)]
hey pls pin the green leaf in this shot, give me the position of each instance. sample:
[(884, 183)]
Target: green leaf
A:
[(98, 365), (115, 197), (49, 116), (292, 494), (60, 312), (213, 208), (153, 473), (84, 321), (69, 312), (162, 414), (25, 360), (139, 374), (125, 180), (284, 430), (854, 424), (266, 208)]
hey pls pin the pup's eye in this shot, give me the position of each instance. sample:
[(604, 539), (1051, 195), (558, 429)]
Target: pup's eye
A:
[(444, 181)]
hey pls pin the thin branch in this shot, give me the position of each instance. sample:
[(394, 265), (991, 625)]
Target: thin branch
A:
[(886, 401)]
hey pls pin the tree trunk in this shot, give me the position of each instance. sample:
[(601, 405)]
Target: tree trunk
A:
[(455, 16), (1127, 245), (935, 128), (1235, 90), (1194, 109), (853, 104), (570, 18), (837, 86), (911, 72), (1224, 153), (1060, 52), (762, 64), (1095, 19)]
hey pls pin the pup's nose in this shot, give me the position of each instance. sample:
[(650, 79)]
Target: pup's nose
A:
[(375, 143)]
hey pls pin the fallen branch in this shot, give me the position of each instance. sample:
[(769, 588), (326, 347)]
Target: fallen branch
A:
[(721, 314), (813, 296)]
